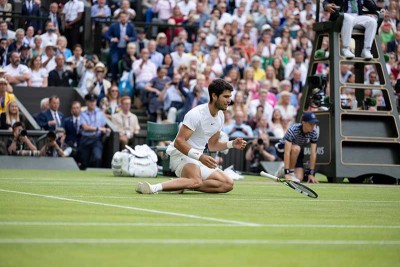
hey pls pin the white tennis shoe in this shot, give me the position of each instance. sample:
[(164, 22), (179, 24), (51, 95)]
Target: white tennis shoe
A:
[(366, 54), (347, 53), (144, 188)]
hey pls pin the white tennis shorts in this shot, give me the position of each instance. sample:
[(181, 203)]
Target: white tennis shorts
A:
[(179, 160)]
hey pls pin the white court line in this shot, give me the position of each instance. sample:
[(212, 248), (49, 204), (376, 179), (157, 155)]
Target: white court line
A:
[(198, 241), (173, 197), (134, 208), (145, 224)]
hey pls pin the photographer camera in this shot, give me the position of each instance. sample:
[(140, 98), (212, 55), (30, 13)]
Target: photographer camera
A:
[(260, 150), (21, 144), (55, 144)]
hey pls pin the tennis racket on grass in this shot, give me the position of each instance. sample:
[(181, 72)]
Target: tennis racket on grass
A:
[(292, 184)]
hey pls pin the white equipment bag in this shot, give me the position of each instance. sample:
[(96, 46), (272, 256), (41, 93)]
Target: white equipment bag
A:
[(138, 162)]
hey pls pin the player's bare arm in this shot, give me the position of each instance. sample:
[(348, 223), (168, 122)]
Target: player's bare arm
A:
[(215, 145), (182, 145)]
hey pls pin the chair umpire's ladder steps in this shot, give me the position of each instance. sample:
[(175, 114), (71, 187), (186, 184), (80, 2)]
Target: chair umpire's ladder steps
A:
[(354, 143)]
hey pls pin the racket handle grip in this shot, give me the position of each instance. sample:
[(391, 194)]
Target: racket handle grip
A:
[(270, 176)]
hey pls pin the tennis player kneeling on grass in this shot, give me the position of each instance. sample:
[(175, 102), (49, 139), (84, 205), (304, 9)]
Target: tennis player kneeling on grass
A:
[(201, 125)]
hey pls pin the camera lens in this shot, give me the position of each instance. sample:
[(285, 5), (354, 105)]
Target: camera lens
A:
[(260, 141), (23, 133)]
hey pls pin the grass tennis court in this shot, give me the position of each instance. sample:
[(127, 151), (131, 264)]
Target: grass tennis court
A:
[(61, 218)]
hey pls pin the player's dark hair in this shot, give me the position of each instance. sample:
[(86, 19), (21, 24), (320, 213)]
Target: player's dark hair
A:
[(218, 86)]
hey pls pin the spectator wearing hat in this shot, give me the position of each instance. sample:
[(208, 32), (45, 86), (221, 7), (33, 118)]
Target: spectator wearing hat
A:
[(90, 148), (25, 54), (142, 41), (2, 75), (16, 73), (88, 75), (50, 36), (5, 97), (39, 75), (49, 57), (101, 86), (60, 75), (51, 118), (119, 35), (291, 149)]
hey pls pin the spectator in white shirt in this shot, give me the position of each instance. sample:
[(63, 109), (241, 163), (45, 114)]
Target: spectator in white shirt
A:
[(16, 73), (164, 9), (39, 75), (144, 70), (50, 35), (28, 39), (179, 56), (125, 6), (186, 6), (49, 58)]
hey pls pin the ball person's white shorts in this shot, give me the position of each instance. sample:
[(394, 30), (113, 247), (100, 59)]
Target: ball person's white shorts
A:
[(179, 160)]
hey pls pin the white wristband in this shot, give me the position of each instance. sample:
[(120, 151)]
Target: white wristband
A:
[(194, 154), (229, 144)]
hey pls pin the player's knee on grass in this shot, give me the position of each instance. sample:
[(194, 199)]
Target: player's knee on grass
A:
[(227, 182)]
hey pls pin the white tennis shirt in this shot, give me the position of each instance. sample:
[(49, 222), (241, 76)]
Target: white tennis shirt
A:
[(203, 125)]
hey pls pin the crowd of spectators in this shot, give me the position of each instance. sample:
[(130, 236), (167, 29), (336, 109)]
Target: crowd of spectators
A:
[(263, 48)]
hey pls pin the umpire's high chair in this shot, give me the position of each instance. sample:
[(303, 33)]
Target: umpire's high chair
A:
[(357, 139)]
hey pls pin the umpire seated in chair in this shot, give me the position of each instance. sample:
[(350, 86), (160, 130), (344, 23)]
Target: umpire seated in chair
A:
[(354, 16), (90, 147)]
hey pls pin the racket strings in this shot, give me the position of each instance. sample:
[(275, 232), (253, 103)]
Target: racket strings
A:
[(303, 189)]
